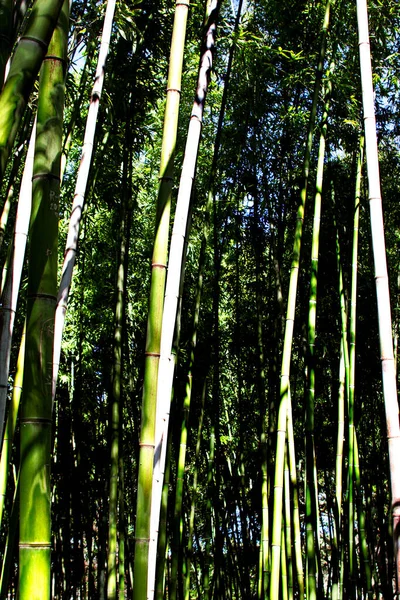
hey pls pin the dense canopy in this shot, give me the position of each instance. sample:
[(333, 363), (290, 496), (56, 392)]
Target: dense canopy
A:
[(198, 337)]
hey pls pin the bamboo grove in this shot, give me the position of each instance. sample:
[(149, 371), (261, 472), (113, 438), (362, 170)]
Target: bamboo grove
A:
[(199, 315)]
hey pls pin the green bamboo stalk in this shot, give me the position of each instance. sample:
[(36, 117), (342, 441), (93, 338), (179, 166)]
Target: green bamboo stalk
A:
[(175, 275), (288, 530), (25, 65), (121, 531), (178, 519), (287, 348), (36, 409), (284, 579), (116, 408), (352, 565), (351, 384), (364, 550), (336, 541), (194, 491), (186, 405), (207, 588), (344, 382), (352, 369), (8, 555), (296, 509), (263, 567), (157, 286), (312, 520)]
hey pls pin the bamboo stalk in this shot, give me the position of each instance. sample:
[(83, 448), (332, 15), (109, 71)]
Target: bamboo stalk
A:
[(80, 189), (175, 272), (381, 278), (36, 408), (287, 348), (157, 288), (12, 277), (312, 521), (27, 59)]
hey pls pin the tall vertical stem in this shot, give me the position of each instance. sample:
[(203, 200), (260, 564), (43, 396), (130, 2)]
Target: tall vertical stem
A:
[(27, 59), (36, 409), (157, 286), (80, 188), (381, 278), (287, 348)]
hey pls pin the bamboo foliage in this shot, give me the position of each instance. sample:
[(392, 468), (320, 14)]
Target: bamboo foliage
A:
[(226, 529)]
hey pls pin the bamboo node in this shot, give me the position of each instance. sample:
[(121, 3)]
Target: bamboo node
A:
[(35, 545), (31, 38), (46, 176), (54, 57), (43, 296), (35, 421)]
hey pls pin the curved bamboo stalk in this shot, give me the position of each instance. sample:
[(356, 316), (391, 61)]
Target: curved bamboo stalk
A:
[(381, 278)]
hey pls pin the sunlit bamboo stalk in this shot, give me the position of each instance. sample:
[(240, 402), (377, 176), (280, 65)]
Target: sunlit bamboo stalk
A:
[(381, 277), (155, 313)]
